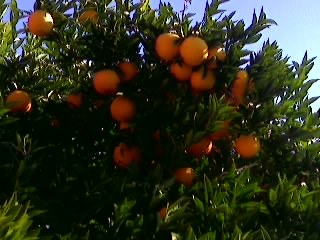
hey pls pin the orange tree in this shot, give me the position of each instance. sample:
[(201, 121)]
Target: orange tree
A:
[(119, 121)]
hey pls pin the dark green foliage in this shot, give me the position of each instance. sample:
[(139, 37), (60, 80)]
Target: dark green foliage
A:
[(67, 172)]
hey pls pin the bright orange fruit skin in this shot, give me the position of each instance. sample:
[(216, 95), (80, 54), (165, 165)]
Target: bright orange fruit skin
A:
[(201, 148), (167, 47), (106, 82), (122, 109), (19, 101), (247, 146), (75, 100), (185, 176), (239, 87), (40, 23), (181, 71), (129, 71), (194, 51), (201, 82)]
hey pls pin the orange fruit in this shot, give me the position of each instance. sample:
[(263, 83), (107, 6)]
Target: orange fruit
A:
[(247, 146), (201, 148), (106, 82), (89, 15), (222, 133), (201, 81), (122, 109), (184, 176), (40, 23), (194, 51), (181, 71), (242, 74), (19, 101), (75, 100), (167, 46), (239, 87), (129, 71), (124, 156), (163, 213)]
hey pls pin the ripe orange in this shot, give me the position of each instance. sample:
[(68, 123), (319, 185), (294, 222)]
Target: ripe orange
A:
[(121, 156), (247, 146), (89, 15), (167, 46), (194, 51), (242, 74), (122, 109), (129, 71), (19, 101), (106, 82), (75, 100), (124, 156), (201, 148), (40, 23), (239, 87), (201, 81), (163, 213), (222, 133), (184, 176), (181, 71)]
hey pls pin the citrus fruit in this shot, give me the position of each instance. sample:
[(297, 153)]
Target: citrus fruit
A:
[(40, 23), (181, 71), (163, 213), (106, 82), (122, 109), (222, 133), (89, 15), (247, 146), (201, 148), (75, 100), (194, 51), (121, 156), (124, 156), (129, 71), (19, 101), (202, 81), (167, 46), (184, 176), (239, 87)]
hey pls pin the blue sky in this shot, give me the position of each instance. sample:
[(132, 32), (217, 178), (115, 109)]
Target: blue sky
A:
[(297, 29)]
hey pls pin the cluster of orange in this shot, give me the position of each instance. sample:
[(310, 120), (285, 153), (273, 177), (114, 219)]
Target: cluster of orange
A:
[(189, 60)]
